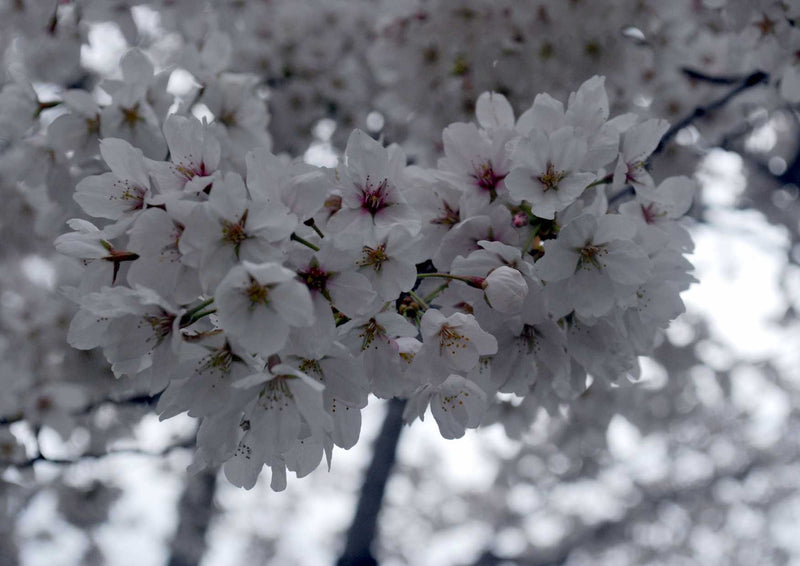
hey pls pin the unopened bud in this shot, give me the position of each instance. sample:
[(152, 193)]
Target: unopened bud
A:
[(505, 289)]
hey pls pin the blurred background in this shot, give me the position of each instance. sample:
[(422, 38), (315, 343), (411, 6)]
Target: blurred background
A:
[(696, 464)]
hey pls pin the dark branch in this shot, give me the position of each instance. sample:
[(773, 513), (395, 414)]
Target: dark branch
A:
[(696, 75), (753, 79), (622, 194), (361, 535), (138, 400), (188, 443)]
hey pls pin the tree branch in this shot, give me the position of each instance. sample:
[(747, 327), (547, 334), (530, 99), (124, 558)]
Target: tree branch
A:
[(362, 532), (188, 443), (141, 400), (753, 79), (696, 75)]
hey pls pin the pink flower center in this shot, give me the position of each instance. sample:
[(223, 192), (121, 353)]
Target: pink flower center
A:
[(651, 213), (487, 178), (449, 216), (373, 200)]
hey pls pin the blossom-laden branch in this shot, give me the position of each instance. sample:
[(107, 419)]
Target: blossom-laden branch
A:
[(304, 334)]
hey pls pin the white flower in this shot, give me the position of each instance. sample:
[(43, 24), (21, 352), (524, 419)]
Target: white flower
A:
[(78, 130), (476, 163), (638, 143), (463, 239), (346, 389), (287, 400), (258, 303), (390, 262), (493, 112), (300, 186), (202, 383), (332, 273), (456, 404), (376, 342), (372, 201), (451, 344), (130, 116), (241, 117), (231, 227), (546, 170), (194, 155), (155, 238), (592, 264), (123, 191), (128, 324)]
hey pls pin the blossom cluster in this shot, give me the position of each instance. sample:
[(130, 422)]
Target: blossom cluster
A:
[(269, 298)]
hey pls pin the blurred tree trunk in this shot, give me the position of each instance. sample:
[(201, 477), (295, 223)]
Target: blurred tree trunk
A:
[(363, 530), (195, 511)]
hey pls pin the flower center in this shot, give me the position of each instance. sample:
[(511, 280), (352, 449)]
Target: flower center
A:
[(650, 213), (257, 293), (130, 116), (373, 257), (188, 172), (590, 254), (450, 338), (234, 232), (373, 200), (276, 394), (315, 278), (227, 118), (129, 192), (218, 362), (161, 325), (450, 401), (369, 332), (449, 217), (551, 178), (487, 179), (633, 170), (311, 368), (527, 338)]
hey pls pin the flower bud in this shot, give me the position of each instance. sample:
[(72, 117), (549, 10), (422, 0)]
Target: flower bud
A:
[(505, 289)]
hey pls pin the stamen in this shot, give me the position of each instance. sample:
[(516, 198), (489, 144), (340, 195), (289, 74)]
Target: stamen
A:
[(551, 178), (373, 257), (257, 293)]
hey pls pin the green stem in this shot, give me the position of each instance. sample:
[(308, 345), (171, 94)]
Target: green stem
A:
[(303, 241), (605, 180), (190, 320), (318, 231), (433, 294), (471, 281), (44, 106), (199, 307), (420, 301), (529, 242), (198, 316)]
